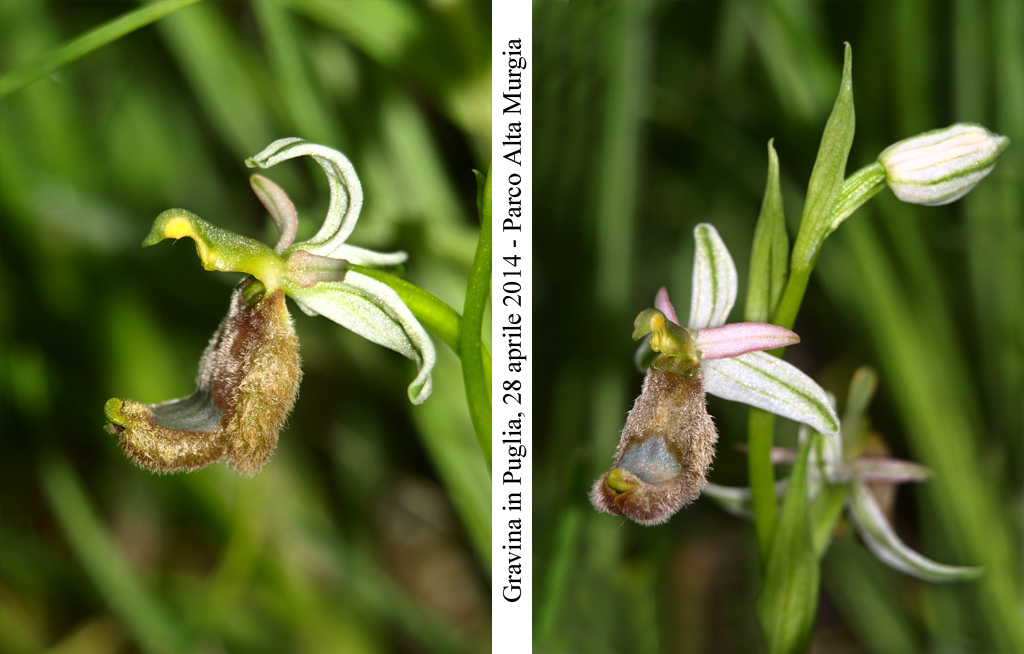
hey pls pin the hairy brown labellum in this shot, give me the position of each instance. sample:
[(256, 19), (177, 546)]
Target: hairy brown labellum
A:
[(247, 384), (665, 451)]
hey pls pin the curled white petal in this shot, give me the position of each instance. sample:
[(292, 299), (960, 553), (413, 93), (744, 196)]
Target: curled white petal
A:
[(373, 310), (742, 337), (346, 191), (883, 542), (714, 280), (769, 383), (364, 257)]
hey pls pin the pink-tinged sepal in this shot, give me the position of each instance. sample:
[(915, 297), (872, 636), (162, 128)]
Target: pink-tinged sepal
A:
[(742, 337), (664, 305), (280, 207), (307, 269)]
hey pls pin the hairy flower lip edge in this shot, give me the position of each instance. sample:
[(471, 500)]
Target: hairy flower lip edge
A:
[(165, 437)]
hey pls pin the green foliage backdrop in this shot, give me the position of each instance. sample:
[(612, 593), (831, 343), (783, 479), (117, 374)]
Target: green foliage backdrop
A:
[(369, 529), (653, 117)]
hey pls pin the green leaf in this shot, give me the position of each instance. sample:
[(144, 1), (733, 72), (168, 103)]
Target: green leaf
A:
[(769, 255), (827, 177), (789, 598), (88, 42)]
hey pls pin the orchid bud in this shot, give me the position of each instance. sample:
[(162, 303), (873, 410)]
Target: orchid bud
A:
[(941, 166), (667, 446), (247, 384)]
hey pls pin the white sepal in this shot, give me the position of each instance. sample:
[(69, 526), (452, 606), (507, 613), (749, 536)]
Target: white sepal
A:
[(373, 310), (887, 546), (714, 280), (769, 383)]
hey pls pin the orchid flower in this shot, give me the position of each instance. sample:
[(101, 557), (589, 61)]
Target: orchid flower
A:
[(866, 477), (249, 375), (668, 440)]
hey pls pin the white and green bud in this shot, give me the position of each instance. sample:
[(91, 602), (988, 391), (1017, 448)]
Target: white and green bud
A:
[(941, 166)]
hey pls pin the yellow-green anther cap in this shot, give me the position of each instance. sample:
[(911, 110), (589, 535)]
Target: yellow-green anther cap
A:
[(943, 165), (219, 249)]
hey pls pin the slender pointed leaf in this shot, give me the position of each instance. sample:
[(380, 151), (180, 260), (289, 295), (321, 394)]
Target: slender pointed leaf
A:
[(769, 255), (829, 172)]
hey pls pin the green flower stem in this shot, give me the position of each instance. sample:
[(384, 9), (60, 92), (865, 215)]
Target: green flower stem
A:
[(792, 298), (444, 321), (478, 290), (83, 45), (761, 428)]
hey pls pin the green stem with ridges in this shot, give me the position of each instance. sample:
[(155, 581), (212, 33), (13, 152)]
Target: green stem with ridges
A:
[(478, 290), (761, 432)]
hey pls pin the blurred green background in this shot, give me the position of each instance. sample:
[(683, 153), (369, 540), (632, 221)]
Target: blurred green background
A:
[(654, 116), (368, 531)]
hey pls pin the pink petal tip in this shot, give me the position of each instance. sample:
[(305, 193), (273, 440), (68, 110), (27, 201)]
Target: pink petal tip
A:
[(742, 337)]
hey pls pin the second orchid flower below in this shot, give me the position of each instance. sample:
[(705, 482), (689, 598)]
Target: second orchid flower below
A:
[(669, 439)]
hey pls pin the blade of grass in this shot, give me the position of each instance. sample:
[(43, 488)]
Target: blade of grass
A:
[(144, 617), (448, 438), (868, 597), (307, 113), (88, 42), (223, 75)]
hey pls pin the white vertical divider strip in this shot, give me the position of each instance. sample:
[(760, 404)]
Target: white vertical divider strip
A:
[(512, 327)]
